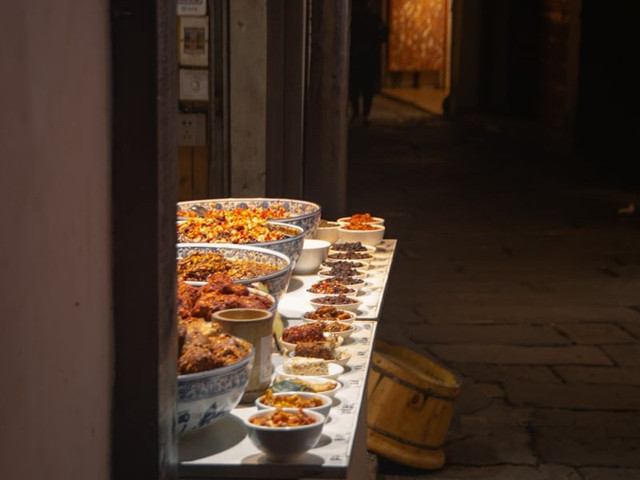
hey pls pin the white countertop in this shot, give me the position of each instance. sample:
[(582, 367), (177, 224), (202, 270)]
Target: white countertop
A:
[(224, 450)]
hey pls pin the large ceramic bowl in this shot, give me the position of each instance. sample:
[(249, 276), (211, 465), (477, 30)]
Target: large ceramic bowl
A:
[(290, 245), (276, 282), (297, 212), (283, 443), (206, 397)]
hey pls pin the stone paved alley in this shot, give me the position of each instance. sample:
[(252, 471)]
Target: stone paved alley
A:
[(519, 272)]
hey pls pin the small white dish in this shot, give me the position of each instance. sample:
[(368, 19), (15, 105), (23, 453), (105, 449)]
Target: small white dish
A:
[(278, 399), (325, 386), (289, 347), (344, 290), (331, 314), (372, 221), (341, 356), (335, 370), (363, 257), (373, 236), (327, 273), (355, 284), (346, 246), (351, 303), (359, 265), (340, 329)]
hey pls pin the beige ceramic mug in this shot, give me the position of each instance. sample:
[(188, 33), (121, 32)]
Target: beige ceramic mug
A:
[(256, 327)]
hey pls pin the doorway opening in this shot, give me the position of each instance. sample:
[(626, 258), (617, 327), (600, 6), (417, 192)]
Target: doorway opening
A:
[(417, 58)]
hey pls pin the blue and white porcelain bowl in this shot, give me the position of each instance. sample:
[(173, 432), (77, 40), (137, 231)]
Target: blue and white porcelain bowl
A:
[(276, 282), (301, 213), (206, 397), (291, 245)]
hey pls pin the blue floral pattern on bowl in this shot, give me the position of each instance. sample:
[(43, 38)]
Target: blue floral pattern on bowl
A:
[(276, 283), (304, 214), (290, 245), (206, 397)]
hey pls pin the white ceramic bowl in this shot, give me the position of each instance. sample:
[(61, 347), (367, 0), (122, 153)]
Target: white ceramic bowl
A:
[(276, 282), (312, 255), (301, 213), (353, 282), (363, 257), (326, 272), (282, 397), (206, 397), (335, 371), (374, 221), (327, 231), (352, 304), (357, 264), (367, 237), (348, 246), (329, 287), (342, 356), (325, 386), (345, 329), (289, 346), (340, 315), (282, 444)]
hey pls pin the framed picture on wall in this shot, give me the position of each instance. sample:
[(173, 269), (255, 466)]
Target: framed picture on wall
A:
[(194, 41)]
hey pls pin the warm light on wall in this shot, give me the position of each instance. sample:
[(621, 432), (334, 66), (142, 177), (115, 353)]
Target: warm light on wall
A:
[(417, 35)]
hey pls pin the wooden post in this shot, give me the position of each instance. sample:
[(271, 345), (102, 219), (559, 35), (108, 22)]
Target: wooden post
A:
[(326, 127)]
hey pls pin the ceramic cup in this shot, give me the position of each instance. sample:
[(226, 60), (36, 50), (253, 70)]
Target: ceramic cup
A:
[(256, 327)]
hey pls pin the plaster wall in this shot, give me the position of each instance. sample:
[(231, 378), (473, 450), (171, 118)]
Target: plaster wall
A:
[(55, 245)]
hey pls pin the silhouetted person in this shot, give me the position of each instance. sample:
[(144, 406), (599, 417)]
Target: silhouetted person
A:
[(368, 32)]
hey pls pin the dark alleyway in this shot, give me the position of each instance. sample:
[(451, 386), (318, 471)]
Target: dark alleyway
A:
[(520, 272)]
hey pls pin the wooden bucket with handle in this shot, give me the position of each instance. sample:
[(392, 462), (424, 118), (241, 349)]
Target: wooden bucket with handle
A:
[(410, 401)]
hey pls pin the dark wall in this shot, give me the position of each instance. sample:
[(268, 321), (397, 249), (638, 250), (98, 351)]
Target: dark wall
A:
[(607, 124), (523, 67)]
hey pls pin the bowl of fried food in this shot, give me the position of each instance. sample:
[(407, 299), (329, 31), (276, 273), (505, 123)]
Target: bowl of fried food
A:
[(213, 373), (300, 213), (284, 435), (292, 401), (244, 264), (329, 313), (359, 218)]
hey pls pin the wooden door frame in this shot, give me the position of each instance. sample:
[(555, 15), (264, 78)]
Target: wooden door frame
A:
[(144, 193)]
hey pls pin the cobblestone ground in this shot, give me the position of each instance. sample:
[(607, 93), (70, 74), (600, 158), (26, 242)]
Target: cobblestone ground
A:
[(519, 271)]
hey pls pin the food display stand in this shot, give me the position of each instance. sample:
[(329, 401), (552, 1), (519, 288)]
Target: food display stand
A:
[(223, 450)]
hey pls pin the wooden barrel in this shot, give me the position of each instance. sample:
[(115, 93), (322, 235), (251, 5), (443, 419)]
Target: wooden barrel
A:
[(409, 406)]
